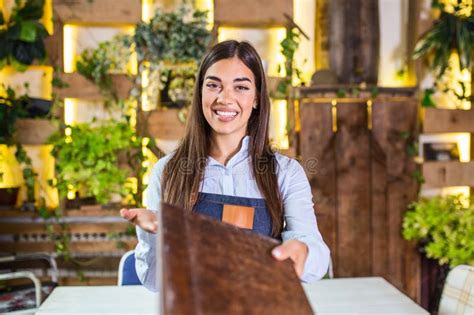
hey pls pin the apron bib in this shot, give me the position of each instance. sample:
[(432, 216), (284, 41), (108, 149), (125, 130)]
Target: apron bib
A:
[(246, 213)]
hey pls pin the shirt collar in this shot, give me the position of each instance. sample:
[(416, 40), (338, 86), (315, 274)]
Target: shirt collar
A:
[(239, 156)]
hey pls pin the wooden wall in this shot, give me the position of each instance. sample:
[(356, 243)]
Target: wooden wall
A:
[(355, 155)]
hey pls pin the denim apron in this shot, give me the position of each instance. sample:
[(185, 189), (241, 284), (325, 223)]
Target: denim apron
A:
[(247, 213)]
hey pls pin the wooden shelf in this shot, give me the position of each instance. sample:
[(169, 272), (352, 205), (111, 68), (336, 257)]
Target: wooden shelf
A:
[(80, 87), (249, 13), (33, 131), (161, 123), (450, 173), (74, 228), (448, 120), (99, 247), (98, 12)]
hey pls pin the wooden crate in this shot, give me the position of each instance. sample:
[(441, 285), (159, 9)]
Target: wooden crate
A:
[(98, 12), (448, 120), (33, 131), (162, 124), (448, 173), (80, 87), (248, 13)]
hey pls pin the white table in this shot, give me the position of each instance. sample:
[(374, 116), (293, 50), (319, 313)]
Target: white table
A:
[(335, 296)]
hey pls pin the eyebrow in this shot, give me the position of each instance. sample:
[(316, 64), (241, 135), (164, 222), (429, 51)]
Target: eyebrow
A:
[(211, 77)]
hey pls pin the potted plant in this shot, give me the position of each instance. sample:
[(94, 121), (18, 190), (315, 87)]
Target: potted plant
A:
[(22, 36), (169, 48), (33, 123), (451, 33), (98, 65), (8, 117), (87, 161), (444, 230)]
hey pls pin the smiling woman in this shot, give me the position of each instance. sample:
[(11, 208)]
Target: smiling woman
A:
[(225, 168), (229, 95)]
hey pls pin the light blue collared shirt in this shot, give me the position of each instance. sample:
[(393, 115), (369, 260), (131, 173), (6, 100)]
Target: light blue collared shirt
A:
[(236, 179)]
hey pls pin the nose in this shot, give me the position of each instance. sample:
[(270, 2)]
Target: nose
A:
[(225, 96)]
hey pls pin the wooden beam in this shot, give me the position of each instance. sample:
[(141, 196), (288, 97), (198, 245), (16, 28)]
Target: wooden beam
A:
[(450, 173), (74, 228), (448, 120), (249, 13), (80, 87), (99, 247), (98, 12)]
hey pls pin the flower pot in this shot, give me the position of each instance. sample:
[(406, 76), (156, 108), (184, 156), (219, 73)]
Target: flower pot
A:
[(8, 197), (33, 131), (38, 107)]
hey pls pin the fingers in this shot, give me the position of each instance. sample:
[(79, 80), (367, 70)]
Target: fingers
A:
[(128, 214), (295, 250), (143, 218)]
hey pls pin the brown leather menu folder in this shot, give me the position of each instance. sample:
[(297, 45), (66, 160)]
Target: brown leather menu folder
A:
[(210, 267)]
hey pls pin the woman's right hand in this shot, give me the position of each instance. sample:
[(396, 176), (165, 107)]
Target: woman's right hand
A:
[(142, 218)]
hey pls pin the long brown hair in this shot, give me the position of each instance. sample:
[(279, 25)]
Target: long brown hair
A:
[(184, 171)]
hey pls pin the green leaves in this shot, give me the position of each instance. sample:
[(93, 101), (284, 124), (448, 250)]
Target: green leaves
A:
[(22, 40), (178, 36), (28, 31), (451, 32), (89, 161), (445, 225)]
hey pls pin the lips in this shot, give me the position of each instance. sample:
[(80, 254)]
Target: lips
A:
[(225, 115)]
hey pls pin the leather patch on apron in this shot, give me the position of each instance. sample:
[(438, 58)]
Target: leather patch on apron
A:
[(238, 215)]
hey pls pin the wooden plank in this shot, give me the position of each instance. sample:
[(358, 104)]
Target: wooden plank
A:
[(33, 131), (248, 13), (97, 247), (318, 159), (54, 45), (194, 260), (161, 123), (365, 92), (98, 12), (448, 120), (353, 191), (68, 213), (354, 40), (81, 228), (448, 173), (379, 191), (401, 118), (80, 87)]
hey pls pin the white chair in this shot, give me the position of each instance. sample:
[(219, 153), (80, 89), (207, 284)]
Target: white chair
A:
[(458, 292), (18, 301)]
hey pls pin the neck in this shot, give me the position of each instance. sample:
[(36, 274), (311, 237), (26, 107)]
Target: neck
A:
[(224, 147)]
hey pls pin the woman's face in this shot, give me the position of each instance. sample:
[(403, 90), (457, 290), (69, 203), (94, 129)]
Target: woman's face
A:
[(228, 94)]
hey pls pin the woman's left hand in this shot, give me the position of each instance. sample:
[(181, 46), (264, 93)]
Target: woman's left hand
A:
[(295, 250)]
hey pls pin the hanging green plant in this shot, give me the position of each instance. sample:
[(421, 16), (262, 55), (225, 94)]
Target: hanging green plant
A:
[(452, 31), (98, 65), (29, 176), (169, 48), (86, 159), (22, 36), (444, 227), (289, 45)]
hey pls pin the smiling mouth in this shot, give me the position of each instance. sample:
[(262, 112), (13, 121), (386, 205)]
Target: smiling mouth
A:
[(225, 113)]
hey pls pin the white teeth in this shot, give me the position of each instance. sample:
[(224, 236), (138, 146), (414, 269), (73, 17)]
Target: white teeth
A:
[(227, 114)]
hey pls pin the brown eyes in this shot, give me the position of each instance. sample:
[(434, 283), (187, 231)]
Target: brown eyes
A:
[(238, 87)]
